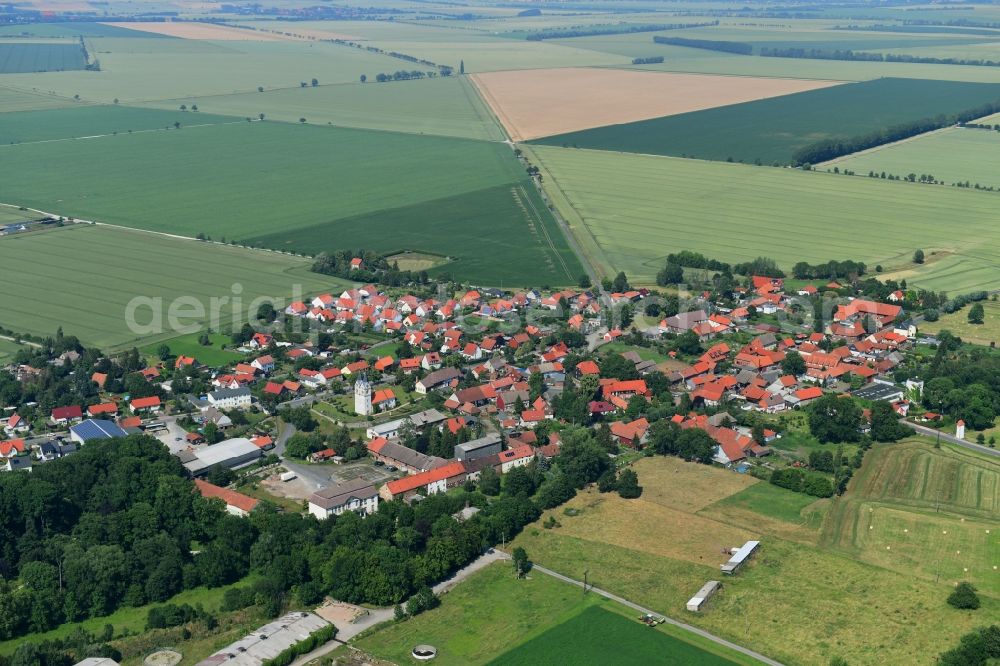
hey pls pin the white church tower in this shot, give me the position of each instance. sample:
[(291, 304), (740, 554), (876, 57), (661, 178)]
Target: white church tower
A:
[(363, 396)]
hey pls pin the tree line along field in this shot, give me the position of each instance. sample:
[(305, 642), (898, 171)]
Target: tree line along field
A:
[(19, 100), (772, 130), (92, 273), (952, 155), (930, 512), (630, 211), (302, 188), (508, 621), (796, 602), (447, 106), (21, 57)]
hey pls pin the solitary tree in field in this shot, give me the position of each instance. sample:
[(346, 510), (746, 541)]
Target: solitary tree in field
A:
[(261, 116), (194, 107), (302, 120), (461, 67), (116, 100), (522, 565), (964, 597), (260, 88), (177, 124), (918, 257), (364, 78), (184, 107), (315, 82), (976, 313)]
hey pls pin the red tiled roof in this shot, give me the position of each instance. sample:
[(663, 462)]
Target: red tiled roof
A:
[(408, 483), (230, 497)]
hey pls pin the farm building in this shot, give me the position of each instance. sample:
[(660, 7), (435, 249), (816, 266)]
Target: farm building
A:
[(230, 398), (740, 556), (230, 453), (698, 601), (267, 642), (237, 504)]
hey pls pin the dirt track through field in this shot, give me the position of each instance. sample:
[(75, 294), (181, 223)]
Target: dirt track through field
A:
[(543, 102)]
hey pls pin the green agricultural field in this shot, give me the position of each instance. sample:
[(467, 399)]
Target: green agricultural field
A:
[(445, 106), (925, 511), (958, 323), (214, 354), (772, 130), (17, 100), (498, 613), (21, 57), (94, 121), (795, 602), (92, 273), (73, 29), (136, 70), (600, 636), (11, 214), (630, 211), (301, 188), (952, 155)]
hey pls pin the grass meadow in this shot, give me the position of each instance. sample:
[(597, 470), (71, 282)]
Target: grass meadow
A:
[(444, 106), (18, 100), (929, 512), (20, 57), (93, 272), (952, 155), (492, 618), (796, 602), (213, 354), (772, 130), (958, 323), (630, 211), (8, 348), (300, 188)]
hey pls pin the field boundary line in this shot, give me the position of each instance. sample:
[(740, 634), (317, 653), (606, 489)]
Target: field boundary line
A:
[(125, 133)]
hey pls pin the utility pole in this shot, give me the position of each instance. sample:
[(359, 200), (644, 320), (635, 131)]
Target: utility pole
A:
[(585, 572)]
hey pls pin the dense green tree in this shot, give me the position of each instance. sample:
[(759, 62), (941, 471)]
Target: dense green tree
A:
[(964, 596), (835, 419)]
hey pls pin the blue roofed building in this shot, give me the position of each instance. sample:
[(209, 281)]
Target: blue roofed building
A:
[(94, 429)]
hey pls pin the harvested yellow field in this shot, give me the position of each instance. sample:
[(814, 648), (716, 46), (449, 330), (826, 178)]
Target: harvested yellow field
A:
[(543, 102), (192, 30), (687, 486), (647, 526)]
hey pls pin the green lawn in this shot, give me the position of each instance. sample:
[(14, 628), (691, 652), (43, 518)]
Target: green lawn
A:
[(131, 620), (630, 211), (187, 345), (953, 155), (772, 130), (445, 106), (770, 500), (299, 188), (597, 635), (92, 273), (645, 353), (7, 349)]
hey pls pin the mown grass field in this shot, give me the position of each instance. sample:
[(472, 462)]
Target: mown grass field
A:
[(958, 323), (92, 121), (795, 602), (18, 100), (772, 130), (923, 511), (630, 211), (8, 348), (91, 273), (508, 621), (445, 106), (299, 188), (20, 57), (953, 155), (599, 636)]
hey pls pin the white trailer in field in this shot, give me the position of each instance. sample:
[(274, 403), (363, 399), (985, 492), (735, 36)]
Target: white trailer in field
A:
[(288, 476), (698, 601)]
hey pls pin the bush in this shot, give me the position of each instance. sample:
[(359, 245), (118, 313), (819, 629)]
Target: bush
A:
[(964, 596), (288, 655)]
